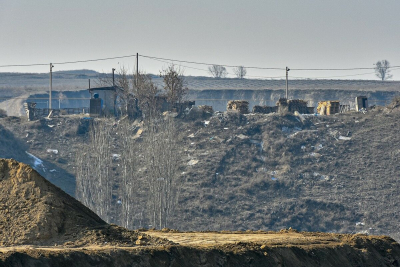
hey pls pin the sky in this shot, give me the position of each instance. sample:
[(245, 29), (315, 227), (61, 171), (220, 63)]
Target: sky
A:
[(300, 34)]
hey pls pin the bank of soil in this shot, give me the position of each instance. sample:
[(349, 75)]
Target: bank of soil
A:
[(40, 225), (286, 248)]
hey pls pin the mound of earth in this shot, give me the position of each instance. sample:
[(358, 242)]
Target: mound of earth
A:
[(34, 211)]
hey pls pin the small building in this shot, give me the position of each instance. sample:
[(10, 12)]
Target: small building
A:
[(104, 100), (361, 103)]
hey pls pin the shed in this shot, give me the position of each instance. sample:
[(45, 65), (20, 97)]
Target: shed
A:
[(105, 98), (361, 103)]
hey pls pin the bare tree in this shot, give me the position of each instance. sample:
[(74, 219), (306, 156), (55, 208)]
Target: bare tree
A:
[(174, 84), (240, 72), (382, 69), (94, 164), (106, 179), (161, 159), (145, 92), (218, 71)]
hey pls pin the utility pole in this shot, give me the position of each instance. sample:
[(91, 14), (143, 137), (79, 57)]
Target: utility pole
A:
[(137, 68), (287, 85), (89, 83), (113, 76), (51, 84)]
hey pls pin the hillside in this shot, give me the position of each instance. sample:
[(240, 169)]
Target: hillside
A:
[(264, 172)]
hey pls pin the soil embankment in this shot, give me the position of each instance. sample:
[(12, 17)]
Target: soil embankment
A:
[(40, 225), (267, 249)]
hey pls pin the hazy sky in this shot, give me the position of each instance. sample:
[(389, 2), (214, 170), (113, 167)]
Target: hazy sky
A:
[(294, 33)]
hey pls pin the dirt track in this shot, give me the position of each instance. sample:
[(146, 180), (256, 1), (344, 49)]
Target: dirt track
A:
[(285, 248)]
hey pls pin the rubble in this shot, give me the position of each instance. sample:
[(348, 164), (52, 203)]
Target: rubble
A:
[(241, 106)]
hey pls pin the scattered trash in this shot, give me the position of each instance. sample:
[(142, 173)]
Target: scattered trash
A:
[(242, 136), (226, 128), (316, 155), (324, 178), (262, 169), (206, 123), (53, 170), (54, 151), (119, 202), (116, 156), (191, 135), (344, 138), (303, 147), (360, 224), (192, 162), (51, 126), (273, 179)]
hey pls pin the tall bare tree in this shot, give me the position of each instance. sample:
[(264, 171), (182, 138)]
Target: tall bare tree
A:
[(218, 71), (382, 69), (174, 84), (161, 159), (240, 72), (106, 176), (94, 164)]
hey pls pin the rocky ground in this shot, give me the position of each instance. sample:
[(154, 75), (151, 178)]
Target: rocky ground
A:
[(264, 172)]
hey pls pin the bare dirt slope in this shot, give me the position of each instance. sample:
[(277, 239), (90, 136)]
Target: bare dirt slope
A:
[(34, 211)]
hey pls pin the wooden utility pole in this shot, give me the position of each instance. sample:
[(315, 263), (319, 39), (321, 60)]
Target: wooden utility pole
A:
[(287, 86), (51, 84), (137, 68), (113, 76), (89, 83)]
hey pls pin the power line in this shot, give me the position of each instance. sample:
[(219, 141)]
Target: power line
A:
[(359, 74), (66, 62), (209, 64), (263, 68)]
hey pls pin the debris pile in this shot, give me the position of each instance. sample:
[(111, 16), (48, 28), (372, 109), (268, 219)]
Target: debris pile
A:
[(292, 105), (328, 107), (264, 109), (206, 108), (241, 106)]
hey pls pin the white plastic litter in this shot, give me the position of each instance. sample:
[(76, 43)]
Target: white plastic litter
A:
[(54, 151)]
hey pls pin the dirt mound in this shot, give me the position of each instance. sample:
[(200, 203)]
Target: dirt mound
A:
[(32, 210)]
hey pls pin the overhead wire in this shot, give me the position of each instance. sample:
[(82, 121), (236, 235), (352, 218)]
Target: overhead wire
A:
[(210, 64), (66, 62), (165, 60)]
